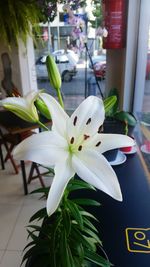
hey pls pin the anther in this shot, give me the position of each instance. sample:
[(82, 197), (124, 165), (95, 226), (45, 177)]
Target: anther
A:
[(100, 129), (88, 121), (79, 148), (86, 136), (98, 143), (75, 121), (72, 140)]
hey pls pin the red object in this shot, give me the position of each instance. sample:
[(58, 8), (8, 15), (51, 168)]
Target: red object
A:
[(148, 66), (126, 149), (100, 70), (147, 145), (115, 13)]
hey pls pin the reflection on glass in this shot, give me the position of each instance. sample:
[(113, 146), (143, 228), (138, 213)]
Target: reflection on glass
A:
[(143, 133)]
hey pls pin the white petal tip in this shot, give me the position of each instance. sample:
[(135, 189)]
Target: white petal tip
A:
[(49, 210), (119, 197)]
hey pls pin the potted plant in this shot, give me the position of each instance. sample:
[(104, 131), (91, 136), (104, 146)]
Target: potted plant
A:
[(118, 121), (67, 236)]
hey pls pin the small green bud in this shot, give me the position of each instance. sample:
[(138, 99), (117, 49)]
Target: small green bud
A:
[(53, 73), (41, 106)]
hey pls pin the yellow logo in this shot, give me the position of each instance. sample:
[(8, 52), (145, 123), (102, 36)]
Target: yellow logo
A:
[(138, 240)]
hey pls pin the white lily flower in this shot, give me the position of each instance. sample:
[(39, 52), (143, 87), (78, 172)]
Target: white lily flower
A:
[(75, 145), (23, 107)]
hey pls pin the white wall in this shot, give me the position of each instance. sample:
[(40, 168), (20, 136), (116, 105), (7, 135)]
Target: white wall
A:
[(23, 66), (131, 53), (144, 25)]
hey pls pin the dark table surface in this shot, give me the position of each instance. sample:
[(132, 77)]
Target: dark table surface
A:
[(14, 125), (124, 227)]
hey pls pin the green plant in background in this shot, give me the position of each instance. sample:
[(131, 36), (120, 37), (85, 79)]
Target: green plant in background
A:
[(67, 236), (120, 115), (17, 18)]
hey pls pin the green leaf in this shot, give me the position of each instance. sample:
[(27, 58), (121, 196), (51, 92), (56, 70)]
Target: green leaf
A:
[(29, 244), (66, 222), (86, 202), (113, 110), (41, 190), (32, 235), (71, 258), (18, 25), (78, 237), (97, 259), (92, 234), (87, 214), (78, 184), (89, 224), (65, 259), (45, 230), (109, 102), (40, 214), (92, 242), (75, 212), (126, 117), (36, 250)]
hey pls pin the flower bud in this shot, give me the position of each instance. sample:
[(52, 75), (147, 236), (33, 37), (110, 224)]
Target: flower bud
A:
[(53, 73), (41, 106)]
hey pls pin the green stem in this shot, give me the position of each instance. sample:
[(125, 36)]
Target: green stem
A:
[(126, 128), (43, 126), (60, 98)]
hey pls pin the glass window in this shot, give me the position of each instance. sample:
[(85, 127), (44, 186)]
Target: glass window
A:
[(73, 63)]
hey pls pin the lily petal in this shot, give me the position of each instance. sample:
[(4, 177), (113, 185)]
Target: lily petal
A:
[(23, 107), (14, 101), (63, 173), (31, 96), (59, 116), (112, 141), (30, 99), (45, 148), (87, 118), (93, 168)]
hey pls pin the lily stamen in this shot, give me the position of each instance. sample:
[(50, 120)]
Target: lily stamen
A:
[(98, 143), (99, 129), (88, 121), (72, 140), (75, 121), (86, 136), (80, 148)]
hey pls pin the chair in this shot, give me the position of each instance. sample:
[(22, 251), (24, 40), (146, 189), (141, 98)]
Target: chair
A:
[(9, 141), (14, 135), (9, 120)]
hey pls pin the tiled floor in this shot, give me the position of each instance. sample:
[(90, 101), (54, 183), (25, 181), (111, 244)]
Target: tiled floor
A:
[(15, 212)]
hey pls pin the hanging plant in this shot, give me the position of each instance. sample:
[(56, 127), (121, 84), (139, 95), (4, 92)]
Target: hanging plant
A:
[(16, 19)]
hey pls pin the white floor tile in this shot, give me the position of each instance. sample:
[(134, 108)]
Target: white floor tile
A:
[(11, 259), (1, 255), (11, 188), (15, 212), (19, 237), (8, 217)]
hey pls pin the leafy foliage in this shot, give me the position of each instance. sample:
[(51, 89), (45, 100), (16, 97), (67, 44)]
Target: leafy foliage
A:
[(120, 115), (97, 13), (69, 237), (16, 18)]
